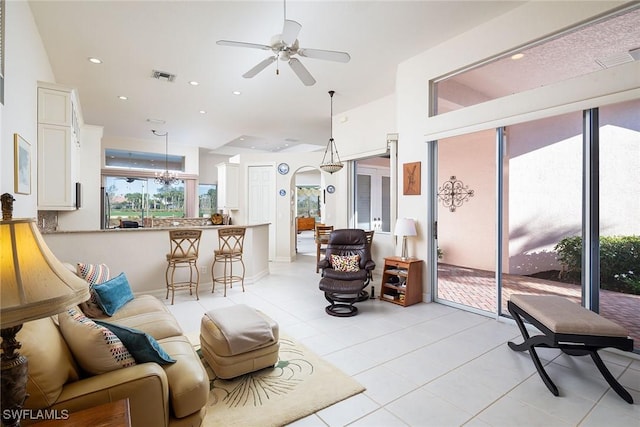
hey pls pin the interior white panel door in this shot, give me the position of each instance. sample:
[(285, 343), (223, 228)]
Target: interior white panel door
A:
[(261, 203)]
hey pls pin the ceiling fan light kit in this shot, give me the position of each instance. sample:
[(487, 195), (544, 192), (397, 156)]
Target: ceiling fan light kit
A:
[(284, 46), (333, 163)]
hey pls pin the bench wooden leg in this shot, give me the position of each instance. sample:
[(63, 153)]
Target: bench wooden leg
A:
[(530, 343), (615, 385)]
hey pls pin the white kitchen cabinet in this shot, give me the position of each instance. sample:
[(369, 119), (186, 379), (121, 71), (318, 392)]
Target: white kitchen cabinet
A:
[(58, 148), (228, 175)]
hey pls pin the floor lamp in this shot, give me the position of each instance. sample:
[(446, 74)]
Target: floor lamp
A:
[(34, 285), (405, 227)]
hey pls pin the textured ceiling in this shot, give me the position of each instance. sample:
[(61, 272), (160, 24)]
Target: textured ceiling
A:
[(565, 56)]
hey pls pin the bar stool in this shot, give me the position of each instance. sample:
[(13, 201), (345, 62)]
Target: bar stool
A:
[(230, 242), (184, 246)]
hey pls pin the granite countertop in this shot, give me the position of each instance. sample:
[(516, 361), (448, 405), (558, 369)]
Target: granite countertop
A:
[(111, 230)]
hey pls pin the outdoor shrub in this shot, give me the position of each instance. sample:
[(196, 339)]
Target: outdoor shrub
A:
[(569, 252), (619, 261)]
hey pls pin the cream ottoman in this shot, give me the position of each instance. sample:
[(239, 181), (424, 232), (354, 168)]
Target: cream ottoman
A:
[(237, 340)]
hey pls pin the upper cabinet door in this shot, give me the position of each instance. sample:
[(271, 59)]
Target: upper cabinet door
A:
[(54, 107)]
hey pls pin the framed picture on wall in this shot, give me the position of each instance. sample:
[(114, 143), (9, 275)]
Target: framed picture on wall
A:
[(22, 166), (411, 179)]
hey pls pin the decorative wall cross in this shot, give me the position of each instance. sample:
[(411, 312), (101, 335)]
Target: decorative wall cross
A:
[(454, 193)]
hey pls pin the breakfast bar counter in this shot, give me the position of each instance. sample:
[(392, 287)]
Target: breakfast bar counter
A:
[(141, 253)]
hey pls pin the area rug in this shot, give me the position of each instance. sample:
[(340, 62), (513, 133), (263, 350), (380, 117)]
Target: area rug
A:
[(300, 384)]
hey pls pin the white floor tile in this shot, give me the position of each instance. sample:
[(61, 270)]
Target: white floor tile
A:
[(509, 412), (426, 364), (383, 386), (347, 411), (422, 408), (379, 418)]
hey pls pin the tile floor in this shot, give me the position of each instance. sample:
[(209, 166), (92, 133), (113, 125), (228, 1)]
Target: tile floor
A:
[(427, 364)]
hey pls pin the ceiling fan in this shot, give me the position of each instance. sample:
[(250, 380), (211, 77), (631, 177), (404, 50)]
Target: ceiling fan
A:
[(284, 47)]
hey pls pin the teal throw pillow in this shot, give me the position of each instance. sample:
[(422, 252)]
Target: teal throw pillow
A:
[(113, 294), (143, 347)]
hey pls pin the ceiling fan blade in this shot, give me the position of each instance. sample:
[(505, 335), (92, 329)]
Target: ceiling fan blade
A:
[(329, 55), (243, 44), (290, 31), (261, 66), (302, 73)]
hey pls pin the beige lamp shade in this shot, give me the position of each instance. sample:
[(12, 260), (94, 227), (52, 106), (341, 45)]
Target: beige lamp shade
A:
[(33, 282)]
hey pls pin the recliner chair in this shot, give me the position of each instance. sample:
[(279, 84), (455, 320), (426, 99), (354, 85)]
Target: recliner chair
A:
[(346, 271)]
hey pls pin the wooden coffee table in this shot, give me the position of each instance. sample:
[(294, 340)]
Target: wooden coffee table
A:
[(113, 414)]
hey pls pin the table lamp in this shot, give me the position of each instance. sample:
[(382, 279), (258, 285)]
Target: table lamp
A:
[(34, 285), (405, 227)]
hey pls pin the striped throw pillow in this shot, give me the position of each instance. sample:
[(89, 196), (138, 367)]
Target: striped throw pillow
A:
[(96, 349)]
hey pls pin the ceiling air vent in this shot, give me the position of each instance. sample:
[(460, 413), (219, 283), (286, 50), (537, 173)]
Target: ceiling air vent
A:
[(163, 75), (618, 59)]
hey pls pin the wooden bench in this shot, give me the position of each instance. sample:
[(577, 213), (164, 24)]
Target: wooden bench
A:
[(571, 328)]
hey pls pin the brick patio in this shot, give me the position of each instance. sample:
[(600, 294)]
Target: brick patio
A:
[(476, 288)]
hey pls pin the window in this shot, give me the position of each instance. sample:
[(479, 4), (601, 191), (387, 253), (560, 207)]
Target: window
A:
[(605, 43), (372, 195), (139, 160), (208, 199), (130, 198)]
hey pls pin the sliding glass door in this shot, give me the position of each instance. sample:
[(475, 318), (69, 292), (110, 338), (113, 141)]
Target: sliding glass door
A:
[(619, 183), (524, 194), (466, 220), (542, 206)]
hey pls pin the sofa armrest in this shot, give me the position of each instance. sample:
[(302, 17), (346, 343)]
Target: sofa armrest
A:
[(145, 385)]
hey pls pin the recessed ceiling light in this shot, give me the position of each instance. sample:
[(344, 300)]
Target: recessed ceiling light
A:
[(237, 92), (124, 98), (203, 112), (194, 83), (517, 56), (95, 60)]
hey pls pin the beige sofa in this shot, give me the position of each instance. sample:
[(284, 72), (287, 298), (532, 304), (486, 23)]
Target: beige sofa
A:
[(168, 395)]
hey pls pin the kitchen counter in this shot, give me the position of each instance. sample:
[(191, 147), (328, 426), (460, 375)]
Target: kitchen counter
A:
[(197, 227), (141, 253)]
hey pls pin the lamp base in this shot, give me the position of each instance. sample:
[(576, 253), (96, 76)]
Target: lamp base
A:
[(13, 383), (405, 254)]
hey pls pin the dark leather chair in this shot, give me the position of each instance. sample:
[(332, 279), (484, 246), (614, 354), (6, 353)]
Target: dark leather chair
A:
[(343, 288)]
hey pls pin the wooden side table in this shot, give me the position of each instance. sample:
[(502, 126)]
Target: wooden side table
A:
[(112, 414), (401, 281)]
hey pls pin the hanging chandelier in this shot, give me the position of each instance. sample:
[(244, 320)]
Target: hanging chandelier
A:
[(165, 178), (333, 163)]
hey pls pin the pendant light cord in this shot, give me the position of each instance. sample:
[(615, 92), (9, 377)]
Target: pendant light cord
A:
[(166, 147), (331, 92)]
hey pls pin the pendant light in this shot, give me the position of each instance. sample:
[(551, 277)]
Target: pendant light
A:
[(333, 163), (165, 178)]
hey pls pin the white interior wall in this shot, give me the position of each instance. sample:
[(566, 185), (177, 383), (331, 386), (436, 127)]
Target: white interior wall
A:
[(26, 62), (282, 229), (88, 216), (157, 145), (362, 131), (207, 170), (518, 27)]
